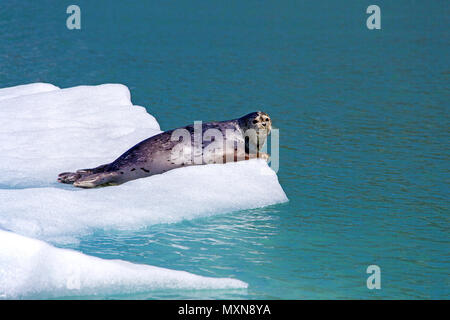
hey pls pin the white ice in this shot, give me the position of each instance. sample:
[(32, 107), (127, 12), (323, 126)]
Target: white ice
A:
[(26, 89), (42, 134), (31, 268), (45, 130)]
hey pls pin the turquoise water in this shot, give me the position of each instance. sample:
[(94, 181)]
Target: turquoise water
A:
[(363, 120)]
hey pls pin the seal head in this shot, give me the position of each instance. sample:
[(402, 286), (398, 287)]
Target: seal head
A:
[(256, 126)]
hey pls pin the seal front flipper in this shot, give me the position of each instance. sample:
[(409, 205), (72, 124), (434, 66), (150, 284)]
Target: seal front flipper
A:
[(258, 155), (97, 180)]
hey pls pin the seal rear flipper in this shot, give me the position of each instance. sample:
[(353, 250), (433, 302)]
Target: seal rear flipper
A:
[(68, 177), (97, 180), (98, 169)]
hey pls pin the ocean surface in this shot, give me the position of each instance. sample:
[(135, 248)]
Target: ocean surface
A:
[(363, 125)]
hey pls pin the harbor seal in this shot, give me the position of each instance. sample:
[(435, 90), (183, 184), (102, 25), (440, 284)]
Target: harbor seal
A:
[(197, 144)]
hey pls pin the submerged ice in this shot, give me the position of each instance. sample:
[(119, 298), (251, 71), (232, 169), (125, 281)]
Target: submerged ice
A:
[(45, 130)]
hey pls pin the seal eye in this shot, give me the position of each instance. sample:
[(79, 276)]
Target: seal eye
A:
[(255, 121)]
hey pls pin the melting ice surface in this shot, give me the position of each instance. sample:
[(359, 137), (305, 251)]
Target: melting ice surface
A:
[(45, 130)]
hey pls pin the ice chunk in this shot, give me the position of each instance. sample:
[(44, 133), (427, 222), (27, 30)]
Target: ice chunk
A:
[(54, 214), (31, 268), (45, 130), (46, 133)]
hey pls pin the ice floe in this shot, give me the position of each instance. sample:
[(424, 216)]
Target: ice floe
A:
[(45, 130), (31, 268)]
